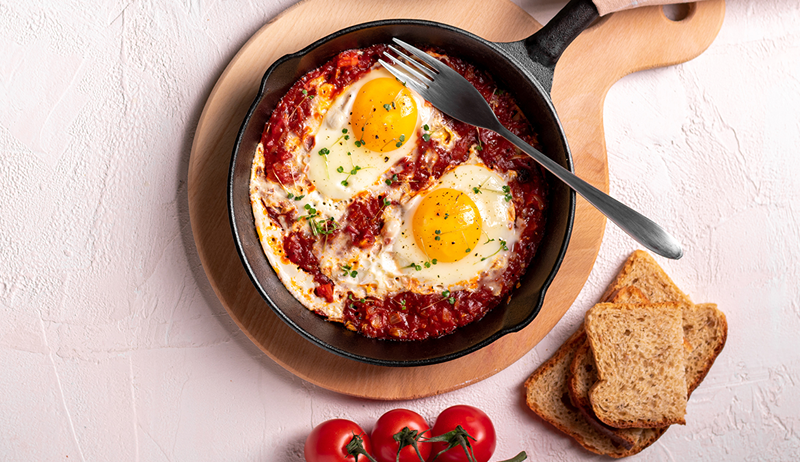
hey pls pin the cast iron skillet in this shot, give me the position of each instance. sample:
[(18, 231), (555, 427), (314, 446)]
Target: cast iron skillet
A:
[(525, 69)]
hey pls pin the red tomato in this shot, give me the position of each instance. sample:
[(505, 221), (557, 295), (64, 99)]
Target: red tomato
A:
[(393, 422), (476, 423), (328, 441)]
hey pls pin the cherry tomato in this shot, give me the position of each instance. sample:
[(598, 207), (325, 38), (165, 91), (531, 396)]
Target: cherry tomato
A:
[(328, 441), (476, 423), (391, 423)]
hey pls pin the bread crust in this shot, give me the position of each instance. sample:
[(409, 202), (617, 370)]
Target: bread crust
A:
[(643, 272), (638, 351), (547, 396)]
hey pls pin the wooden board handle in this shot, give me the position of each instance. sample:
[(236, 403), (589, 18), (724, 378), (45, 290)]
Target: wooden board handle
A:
[(609, 6)]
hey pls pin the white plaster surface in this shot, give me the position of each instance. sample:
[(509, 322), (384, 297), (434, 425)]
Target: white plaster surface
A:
[(113, 346)]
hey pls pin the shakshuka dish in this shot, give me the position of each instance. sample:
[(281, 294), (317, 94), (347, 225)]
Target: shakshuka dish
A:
[(380, 212)]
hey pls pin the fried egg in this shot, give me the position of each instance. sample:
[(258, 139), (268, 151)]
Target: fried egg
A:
[(459, 229), (366, 130)]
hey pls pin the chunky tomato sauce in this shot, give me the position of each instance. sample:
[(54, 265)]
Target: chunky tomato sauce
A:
[(410, 315)]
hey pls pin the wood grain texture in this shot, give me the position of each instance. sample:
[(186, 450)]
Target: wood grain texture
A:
[(618, 44), (605, 7)]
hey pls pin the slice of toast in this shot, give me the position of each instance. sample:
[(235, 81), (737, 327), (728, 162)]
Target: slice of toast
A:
[(583, 375), (705, 329), (641, 364), (547, 395), (643, 272)]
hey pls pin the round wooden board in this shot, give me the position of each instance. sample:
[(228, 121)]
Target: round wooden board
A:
[(617, 45)]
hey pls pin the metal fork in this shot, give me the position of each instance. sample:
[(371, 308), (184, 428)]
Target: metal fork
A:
[(452, 94)]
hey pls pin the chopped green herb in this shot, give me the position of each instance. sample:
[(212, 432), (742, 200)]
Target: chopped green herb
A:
[(340, 169), (507, 193), (324, 151), (503, 246)]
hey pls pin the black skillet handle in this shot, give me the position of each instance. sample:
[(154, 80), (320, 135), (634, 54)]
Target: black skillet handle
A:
[(545, 46)]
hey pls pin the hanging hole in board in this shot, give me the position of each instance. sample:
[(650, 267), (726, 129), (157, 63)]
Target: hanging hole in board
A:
[(678, 12)]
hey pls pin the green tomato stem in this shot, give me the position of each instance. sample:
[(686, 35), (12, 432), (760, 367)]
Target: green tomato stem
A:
[(408, 437), (355, 448), (518, 458)]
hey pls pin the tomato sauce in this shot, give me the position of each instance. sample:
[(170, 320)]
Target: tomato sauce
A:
[(410, 315)]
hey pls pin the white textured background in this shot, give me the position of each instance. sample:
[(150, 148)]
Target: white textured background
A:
[(113, 346)]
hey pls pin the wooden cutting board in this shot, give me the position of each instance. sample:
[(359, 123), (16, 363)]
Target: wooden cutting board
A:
[(616, 45)]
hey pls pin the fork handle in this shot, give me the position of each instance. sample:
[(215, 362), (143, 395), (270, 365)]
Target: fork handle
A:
[(642, 229)]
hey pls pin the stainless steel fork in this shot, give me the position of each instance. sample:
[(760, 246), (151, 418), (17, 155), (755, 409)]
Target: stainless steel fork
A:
[(452, 94)]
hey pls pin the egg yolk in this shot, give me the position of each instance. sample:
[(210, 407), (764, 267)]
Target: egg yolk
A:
[(447, 225), (384, 115)]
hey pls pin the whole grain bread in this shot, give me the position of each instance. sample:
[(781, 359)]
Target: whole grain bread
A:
[(705, 328), (547, 395), (583, 375), (705, 331), (643, 272), (638, 350)]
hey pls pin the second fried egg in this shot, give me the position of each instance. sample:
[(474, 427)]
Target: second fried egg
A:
[(458, 230)]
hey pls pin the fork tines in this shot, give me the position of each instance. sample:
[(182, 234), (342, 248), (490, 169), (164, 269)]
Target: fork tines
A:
[(424, 67)]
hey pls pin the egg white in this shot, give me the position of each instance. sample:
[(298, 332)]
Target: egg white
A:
[(322, 169)]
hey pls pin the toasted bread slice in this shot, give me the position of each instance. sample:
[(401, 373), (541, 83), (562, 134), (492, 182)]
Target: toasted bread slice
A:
[(705, 329), (547, 396), (641, 364), (583, 375), (643, 272)]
